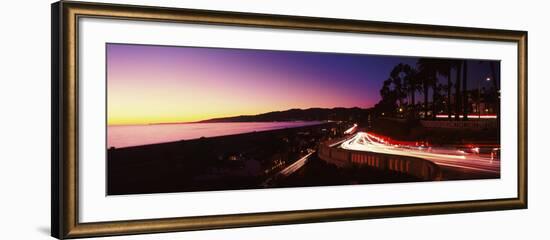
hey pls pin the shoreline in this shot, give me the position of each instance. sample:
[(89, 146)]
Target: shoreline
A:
[(203, 122), (221, 136), (239, 161), (230, 162)]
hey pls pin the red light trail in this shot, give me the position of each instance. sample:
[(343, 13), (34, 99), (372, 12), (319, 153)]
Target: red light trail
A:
[(453, 157)]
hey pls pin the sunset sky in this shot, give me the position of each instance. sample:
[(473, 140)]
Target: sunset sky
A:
[(162, 84)]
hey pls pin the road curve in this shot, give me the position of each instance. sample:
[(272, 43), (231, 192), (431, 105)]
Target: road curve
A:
[(443, 156)]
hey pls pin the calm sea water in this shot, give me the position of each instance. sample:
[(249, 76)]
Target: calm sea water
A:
[(135, 135)]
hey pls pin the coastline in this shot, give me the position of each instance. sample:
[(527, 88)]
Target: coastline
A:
[(191, 165), (245, 161), (309, 124)]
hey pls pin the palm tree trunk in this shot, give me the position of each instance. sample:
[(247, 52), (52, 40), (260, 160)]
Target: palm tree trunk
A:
[(413, 103), (434, 98), (457, 91), (465, 89), (449, 94), (425, 101), (495, 85)]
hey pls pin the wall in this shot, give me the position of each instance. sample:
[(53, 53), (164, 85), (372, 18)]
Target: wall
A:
[(24, 122)]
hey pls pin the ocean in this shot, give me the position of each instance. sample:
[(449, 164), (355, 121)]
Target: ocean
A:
[(135, 135)]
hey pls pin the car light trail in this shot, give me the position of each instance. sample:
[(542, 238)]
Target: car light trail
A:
[(481, 116), (296, 165), (451, 157), (288, 170), (351, 129)]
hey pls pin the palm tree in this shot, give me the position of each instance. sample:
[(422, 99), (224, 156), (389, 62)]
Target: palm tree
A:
[(406, 83), (397, 83), (449, 107), (389, 97), (413, 85), (427, 82), (428, 70), (397, 78), (437, 99), (465, 88), (458, 99), (444, 68), (494, 79)]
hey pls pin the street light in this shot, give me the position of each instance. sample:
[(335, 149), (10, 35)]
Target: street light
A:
[(488, 79)]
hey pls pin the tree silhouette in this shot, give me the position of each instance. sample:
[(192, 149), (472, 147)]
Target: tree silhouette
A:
[(428, 70), (458, 96), (402, 83), (465, 89)]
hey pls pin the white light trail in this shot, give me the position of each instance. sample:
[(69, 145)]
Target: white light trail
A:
[(482, 116), (351, 129), (296, 165), (451, 157)]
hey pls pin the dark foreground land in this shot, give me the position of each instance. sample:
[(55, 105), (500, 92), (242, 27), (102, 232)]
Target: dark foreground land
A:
[(256, 160), (413, 131), (240, 161), (317, 172), (243, 161)]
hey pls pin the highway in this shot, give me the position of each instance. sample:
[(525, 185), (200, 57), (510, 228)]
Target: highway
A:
[(452, 157), (290, 169), (296, 165)]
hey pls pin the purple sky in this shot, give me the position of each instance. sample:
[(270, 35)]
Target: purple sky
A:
[(150, 84)]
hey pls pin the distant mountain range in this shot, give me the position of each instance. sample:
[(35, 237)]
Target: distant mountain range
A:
[(311, 114)]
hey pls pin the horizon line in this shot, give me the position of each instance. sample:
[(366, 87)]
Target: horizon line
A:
[(231, 116)]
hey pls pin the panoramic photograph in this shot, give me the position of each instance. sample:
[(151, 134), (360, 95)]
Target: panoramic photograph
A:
[(186, 119)]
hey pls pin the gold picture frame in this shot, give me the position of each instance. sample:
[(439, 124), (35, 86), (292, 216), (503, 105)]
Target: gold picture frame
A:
[(65, 128)]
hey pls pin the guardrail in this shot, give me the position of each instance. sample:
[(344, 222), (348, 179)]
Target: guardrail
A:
[(453, 124), (472, 123), (416, 167)]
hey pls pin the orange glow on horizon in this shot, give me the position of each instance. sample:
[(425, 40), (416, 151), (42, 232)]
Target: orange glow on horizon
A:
[(159, 84)]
